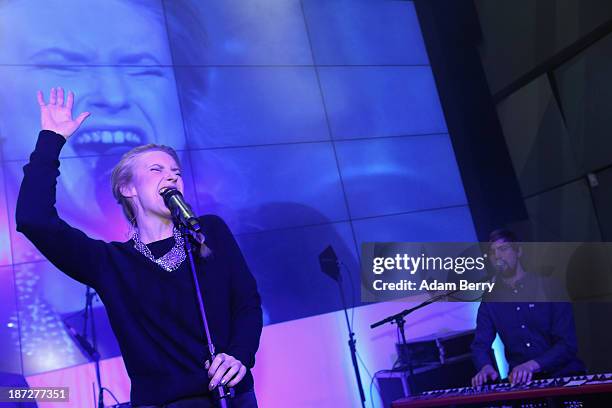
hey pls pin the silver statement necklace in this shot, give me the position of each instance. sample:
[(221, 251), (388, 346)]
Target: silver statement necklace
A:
[(172, 259)]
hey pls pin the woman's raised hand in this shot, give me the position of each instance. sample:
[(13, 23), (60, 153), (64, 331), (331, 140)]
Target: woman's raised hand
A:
[(57, 114)]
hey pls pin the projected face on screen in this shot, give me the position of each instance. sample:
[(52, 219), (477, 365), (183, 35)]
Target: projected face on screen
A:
[(114, 55)]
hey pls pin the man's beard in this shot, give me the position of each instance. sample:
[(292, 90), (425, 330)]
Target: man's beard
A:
[(504, 270)]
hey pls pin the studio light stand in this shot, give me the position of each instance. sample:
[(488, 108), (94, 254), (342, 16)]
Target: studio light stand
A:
[(329, 266), (90, 350)]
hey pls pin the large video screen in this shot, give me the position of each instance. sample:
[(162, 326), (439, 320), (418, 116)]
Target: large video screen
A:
[(302, 124)]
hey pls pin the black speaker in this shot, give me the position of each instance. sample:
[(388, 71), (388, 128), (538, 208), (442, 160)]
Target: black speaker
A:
[(394, 384)]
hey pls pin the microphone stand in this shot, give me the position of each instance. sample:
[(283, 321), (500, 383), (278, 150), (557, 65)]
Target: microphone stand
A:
[(223, 394), (399, 320)]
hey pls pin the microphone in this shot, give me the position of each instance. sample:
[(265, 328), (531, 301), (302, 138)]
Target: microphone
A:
[(180, 209)]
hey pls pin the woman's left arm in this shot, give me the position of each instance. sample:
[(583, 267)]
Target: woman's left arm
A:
[(246, 313)]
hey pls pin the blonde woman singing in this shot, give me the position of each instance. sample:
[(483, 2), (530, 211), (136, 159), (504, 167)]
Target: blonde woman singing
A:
[(145, 283)]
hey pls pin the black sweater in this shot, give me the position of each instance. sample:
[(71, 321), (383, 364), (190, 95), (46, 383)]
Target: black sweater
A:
[(153, 313)]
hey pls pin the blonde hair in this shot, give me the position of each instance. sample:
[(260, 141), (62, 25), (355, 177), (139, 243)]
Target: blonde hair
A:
[(123, 175)]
